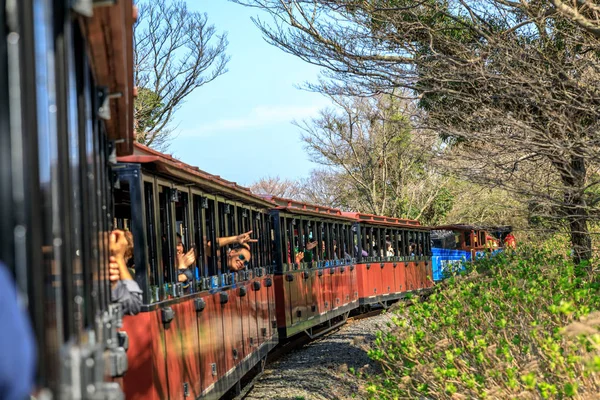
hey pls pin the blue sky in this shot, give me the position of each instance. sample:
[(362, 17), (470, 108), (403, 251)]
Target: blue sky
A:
[(239, 126)]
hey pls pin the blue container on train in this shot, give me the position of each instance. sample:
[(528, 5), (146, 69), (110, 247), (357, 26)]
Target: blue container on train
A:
[(444, 260)]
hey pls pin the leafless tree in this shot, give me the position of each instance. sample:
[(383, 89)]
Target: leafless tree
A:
[(176, 51), (376, 162), (585, 13), (276, 186), (512, 86)]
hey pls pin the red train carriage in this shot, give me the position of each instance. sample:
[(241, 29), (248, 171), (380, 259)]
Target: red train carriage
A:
[(199, 337), (66, 97), (394, 257), (315, 275)]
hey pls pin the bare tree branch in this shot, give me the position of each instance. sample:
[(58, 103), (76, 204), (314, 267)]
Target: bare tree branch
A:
[(176, 52)]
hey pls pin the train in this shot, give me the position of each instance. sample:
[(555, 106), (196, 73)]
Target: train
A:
[(455, 245), (72, 173), (309, 269)]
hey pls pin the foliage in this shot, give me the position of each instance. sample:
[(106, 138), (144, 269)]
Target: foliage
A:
[(375, 159), (176, 51), (511, 85), (518, 325)]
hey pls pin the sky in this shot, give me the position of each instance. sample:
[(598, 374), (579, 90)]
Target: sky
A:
[(239, 126)]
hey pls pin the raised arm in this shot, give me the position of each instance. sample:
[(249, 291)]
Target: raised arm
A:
[(242, 240)]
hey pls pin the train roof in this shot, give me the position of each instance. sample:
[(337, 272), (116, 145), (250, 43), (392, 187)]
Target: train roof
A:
[(173, 168), (387, 221), (467, 227), (108, 29), (298, 207)]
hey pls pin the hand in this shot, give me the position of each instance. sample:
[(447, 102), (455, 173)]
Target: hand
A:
[(187, 259), (245, 238), (114, 274), (117, 243), (311, 245), (299, 257)]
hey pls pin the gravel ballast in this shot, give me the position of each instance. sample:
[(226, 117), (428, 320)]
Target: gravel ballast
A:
[(323, 368)]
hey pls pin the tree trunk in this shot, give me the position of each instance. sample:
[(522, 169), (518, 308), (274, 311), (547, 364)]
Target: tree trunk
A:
[(576, 210)]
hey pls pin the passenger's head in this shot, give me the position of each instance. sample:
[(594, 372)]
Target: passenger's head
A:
[(129, 251), (238, 258), (180, 248)]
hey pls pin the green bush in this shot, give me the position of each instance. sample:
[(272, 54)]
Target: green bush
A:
[(515, 326)]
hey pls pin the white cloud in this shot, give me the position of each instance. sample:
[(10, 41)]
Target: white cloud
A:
[(260, 116)]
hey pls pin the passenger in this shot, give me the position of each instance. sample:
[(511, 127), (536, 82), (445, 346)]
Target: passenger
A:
[(238, 255), (510, 242), (124, 289), (184, 261), (129, 253), (389, 249), (306, 255), (491, 243), (363, 252), (17, 364)]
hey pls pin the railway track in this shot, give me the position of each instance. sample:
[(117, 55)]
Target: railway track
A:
[(244, 389)]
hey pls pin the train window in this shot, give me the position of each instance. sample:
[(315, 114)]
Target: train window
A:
[(376, 242), (329, 239), (335, 236), (156, 272), (180, 200), (320, 238), (213, 260), (467, 236), (270, 240), (309, 237), (255, 222), (247, 221), (283, 241), (290, 247), (200, 238), (417, 240), (356, 247), (166, 230), (259, 232), (224, 228), (347, 248), (322, 246), (395, 242), (344, 247)]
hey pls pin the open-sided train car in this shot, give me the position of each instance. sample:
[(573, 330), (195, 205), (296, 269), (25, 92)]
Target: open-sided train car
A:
[(455, 244), (315, 275), (66, 98), (194, 338), (394, 257)]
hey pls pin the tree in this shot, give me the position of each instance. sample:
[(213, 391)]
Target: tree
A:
[(376, 163), (275, 186), (176, 51), (585, 13), (513, 87)]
